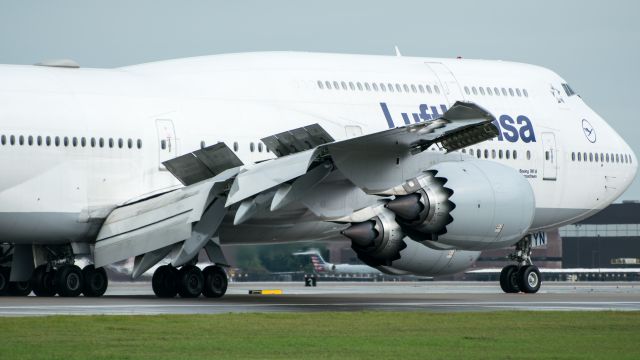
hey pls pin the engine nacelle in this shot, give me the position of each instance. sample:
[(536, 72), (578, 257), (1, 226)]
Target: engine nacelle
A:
[(419, 259), (377, 240), (381, 243), (472, 205)]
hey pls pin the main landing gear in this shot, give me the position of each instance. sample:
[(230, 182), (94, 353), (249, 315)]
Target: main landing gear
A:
[(523, 277), (69, 281), (189, 281)]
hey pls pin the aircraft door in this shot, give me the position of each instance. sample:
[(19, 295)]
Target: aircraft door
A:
[(549, 156), (447, 81), (167, 148)]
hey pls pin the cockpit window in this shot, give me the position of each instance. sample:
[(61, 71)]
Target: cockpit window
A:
[(568, 90)]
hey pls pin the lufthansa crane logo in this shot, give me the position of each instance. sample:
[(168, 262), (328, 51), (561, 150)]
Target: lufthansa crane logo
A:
[(588, 130)]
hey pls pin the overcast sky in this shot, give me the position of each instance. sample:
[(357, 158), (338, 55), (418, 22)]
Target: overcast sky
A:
[(595, 45)]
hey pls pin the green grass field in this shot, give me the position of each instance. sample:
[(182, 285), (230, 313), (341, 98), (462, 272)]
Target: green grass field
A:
[(364, 335)]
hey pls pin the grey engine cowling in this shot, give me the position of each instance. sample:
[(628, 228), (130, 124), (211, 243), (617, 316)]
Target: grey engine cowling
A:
[(474, 205)]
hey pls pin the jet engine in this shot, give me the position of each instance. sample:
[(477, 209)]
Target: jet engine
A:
[(381, 243), (471, 205)]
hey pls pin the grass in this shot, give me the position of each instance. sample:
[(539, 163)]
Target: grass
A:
[(323, 335)]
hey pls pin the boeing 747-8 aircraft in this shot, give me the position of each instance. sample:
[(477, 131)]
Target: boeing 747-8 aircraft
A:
[(420, 162)]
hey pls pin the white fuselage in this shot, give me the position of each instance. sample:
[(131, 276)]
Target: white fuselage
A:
[(75, 143)]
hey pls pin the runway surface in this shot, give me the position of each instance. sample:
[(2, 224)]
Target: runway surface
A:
[(138, 298)]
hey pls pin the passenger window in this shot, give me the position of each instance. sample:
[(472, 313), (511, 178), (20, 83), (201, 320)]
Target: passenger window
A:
[(579, 156), (436, 89), (351, 86), (515, 155), (421, 88), (83, 141), (511, 91), (30, 140), (74, 141), (489, 91), (66, 141), (398, 88), (466, 90), (111, 142), (504, 92), (129, 143), (344, 85), (497, 91), (607, 157), (486, 153), (573, 156), (475, 92), (493, 153), (327, 84), (590, 157), (383, 87), (336, 86), (375, 86), (518, 92), (500, 154), (428, 87), (259, 147), (405, 87), (546, 155), (139, 144), (481, 90), (252, 146), (120, 143), (413, 88), (57, 141), (320, 85), (48, 140), (21, 140), (93, 142), (163, 144), (3, 140), (507, 154), (12, 140), (101, 142), (235, 146), (528, 155), (38, 140), (366, 86), (524, 91), (359, 86), (202, 144), (390, 87), (478, 153)]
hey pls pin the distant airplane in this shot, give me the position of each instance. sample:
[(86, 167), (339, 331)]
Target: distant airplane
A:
[(421, 163), (321, 266)]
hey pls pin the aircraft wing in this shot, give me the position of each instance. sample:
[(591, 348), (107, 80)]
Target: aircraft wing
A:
[(186, 220)]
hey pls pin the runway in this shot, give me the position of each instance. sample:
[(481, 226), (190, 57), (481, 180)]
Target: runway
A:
[(138, 299)]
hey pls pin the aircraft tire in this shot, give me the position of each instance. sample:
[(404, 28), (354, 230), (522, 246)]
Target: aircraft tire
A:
[(190, 281), (4, 280), (69, 281), (19, 288), (95, 281), (529, 279), (165, 281), (43, 281), (215, 282), (508, 279)]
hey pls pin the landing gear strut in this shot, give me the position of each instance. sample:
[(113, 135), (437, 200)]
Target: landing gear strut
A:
[(523, 277)]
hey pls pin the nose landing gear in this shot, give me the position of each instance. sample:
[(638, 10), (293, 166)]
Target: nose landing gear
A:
[(523, 277)]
